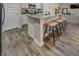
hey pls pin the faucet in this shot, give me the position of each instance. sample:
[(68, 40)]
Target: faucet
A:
[(47, 13)]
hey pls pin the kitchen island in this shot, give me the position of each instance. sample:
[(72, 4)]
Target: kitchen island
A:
[(36, 26)]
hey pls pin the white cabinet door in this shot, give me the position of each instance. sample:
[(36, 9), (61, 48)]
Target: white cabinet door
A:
[(46, 7), (12, 16)]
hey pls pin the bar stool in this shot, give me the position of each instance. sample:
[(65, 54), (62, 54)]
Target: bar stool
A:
[(61, 27), (53, 29), (62, 24)]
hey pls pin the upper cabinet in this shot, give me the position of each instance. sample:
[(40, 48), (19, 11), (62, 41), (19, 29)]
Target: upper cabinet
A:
[(35, 5), (27, 5), (38, 6)]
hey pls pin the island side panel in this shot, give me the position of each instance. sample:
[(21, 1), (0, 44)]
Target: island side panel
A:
[(41, 31), (30, 27), (35, 30)]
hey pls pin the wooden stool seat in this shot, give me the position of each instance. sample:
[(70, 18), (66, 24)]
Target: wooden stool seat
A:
[(60, 20), (52, 23)]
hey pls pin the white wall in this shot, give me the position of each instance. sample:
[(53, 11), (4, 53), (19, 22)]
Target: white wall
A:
[(72, 11), (46, 7), (50, 7), (12, 16), (53, 7)]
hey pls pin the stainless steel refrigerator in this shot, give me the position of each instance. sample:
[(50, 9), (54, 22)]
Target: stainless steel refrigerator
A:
[(2, 17)]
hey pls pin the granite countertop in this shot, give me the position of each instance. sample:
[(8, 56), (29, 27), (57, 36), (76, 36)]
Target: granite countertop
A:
[(41, 16)]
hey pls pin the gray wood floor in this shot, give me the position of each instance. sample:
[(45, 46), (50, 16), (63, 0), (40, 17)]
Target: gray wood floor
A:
[(17, 42)]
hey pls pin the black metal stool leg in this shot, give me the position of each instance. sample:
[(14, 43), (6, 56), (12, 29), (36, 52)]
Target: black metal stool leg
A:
[(49, 30), (60, 28), (63, 26), (53, 36), (45, 30), (57, 30), (66, 23)]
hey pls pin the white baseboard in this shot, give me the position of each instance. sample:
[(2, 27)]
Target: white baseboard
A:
[(3, 30)]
